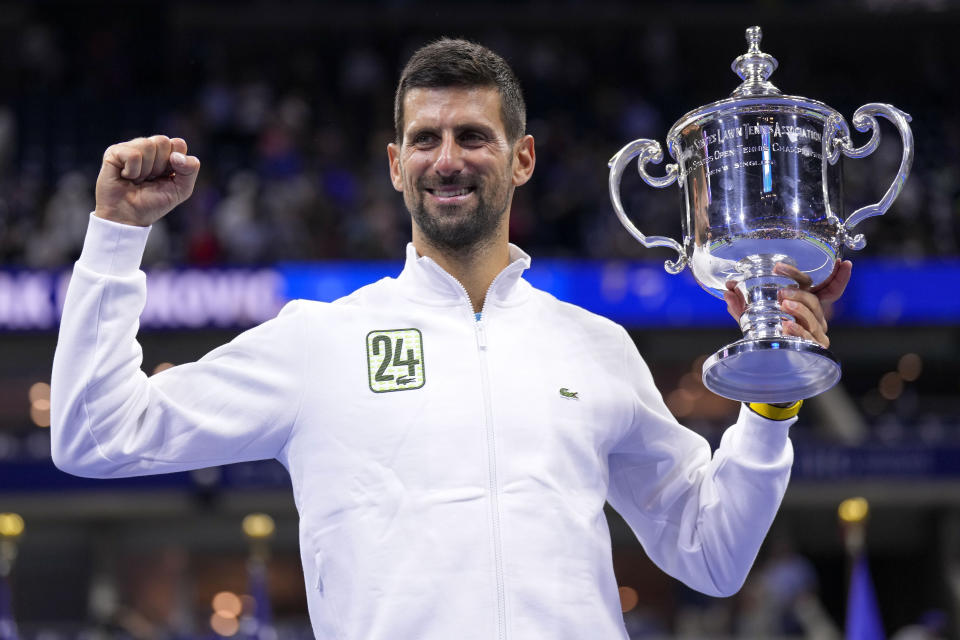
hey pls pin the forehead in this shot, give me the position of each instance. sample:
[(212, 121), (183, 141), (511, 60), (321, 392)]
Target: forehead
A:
[(452, 107)]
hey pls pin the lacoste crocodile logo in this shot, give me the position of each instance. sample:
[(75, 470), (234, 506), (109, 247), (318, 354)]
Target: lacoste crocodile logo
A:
[(566, 393)]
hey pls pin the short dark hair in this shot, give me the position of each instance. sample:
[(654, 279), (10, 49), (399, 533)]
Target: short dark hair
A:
[(460, 63)]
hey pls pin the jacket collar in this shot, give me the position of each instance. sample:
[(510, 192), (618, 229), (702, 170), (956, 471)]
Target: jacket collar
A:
[(424, 280)]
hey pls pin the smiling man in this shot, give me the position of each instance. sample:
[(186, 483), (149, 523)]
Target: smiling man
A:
[(460, 152), (451, 434)]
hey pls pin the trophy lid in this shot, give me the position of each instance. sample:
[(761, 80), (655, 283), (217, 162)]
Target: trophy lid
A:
[(754, 68), (755, 93)]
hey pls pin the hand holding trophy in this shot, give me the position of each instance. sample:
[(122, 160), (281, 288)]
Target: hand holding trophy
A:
[(761, 182)]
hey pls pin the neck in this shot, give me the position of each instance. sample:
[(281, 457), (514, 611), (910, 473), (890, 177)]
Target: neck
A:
[(474, 268)]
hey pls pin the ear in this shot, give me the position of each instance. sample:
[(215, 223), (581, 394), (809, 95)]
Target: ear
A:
[(524, 159), (393, 155)]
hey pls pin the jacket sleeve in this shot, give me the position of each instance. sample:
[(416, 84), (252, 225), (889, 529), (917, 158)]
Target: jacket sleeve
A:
[(701, 519), (108, 419)]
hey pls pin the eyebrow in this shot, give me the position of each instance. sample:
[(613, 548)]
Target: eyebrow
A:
[(458, 130)]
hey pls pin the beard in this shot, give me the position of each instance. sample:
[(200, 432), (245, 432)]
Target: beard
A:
[(460, 229)]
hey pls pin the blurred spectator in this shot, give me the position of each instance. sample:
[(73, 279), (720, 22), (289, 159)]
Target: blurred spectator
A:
[(780, 598), (61, 235)]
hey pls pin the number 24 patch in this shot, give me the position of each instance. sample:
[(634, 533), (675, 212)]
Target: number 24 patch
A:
[(395, 360)]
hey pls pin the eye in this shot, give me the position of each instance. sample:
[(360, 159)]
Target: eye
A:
[(469, 138), (423, 138)]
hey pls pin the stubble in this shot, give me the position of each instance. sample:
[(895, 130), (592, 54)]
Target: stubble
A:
[(456, 230)]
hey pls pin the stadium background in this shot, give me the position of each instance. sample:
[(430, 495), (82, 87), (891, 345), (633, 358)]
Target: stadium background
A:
[(289, 107)]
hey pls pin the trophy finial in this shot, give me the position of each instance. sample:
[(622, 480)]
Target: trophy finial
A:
[(754, 36), (755, 67)]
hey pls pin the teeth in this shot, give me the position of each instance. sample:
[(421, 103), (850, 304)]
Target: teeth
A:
[(448, 193)]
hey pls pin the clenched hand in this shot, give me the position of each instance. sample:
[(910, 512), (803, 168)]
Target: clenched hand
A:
[(143, 179)]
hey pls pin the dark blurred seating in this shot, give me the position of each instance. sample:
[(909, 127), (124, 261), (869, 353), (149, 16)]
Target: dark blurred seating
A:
[(290, 116)]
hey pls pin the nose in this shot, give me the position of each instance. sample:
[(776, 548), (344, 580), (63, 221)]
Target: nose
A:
[(450, 157)]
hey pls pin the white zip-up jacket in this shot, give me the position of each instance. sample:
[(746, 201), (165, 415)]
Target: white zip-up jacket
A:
[(449, 486)]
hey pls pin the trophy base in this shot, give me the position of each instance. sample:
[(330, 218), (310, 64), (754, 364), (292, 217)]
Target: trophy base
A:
[(783, 369)]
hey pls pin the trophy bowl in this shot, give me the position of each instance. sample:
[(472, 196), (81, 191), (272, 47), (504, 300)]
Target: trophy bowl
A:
[(761, 181)]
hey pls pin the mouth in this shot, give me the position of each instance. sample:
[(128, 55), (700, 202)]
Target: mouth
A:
[(451, 195)]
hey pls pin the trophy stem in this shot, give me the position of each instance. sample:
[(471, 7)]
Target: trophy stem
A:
[(763, 317), (766, 365)]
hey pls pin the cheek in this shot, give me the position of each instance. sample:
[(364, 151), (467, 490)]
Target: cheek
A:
[(408, 181), (410, 189), (411, 171)]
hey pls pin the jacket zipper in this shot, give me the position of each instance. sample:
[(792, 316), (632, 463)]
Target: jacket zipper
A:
[(492, 469), (481, 335)]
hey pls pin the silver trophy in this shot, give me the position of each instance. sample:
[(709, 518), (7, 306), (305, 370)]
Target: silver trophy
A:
[(760, 178)]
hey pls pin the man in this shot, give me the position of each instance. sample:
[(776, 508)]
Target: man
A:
[(451, 434)]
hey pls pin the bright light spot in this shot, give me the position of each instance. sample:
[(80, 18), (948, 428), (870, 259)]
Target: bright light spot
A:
[(891, 385), (163, 366), (227, 604), (224, 626), (628, 598), (853, 510), (258, 526), (39, 395), (39, 391), (910, 366), (11, 525), (40, 418)]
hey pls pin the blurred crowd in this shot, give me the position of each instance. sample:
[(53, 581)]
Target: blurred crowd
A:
[(291, 125), (290, 112)]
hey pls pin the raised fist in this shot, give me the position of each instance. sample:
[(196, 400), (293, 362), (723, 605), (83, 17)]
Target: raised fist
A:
[(143, 179)]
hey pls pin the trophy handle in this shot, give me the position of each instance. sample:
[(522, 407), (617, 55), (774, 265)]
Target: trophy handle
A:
[(649, 151), (865, 120)]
